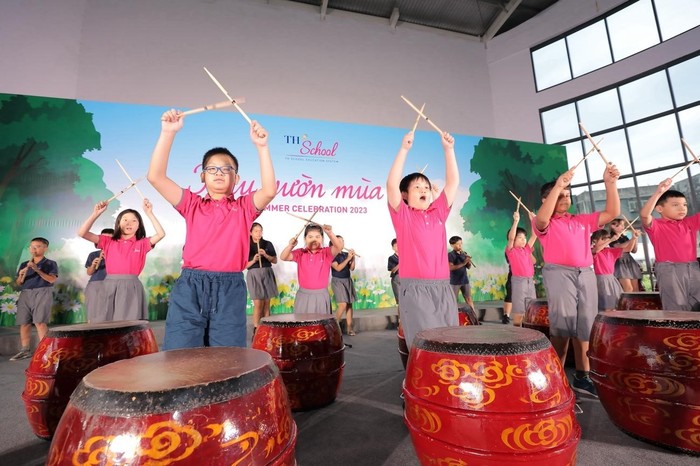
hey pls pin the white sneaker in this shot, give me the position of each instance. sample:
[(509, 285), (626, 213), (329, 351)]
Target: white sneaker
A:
[(23, 354)]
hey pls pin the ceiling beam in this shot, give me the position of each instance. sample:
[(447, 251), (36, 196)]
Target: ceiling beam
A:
[(324, 8), (500, 4), (500, 20), (394, 19)]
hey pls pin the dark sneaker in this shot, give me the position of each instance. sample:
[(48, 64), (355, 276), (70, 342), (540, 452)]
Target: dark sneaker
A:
[(23, 354), (505, 319), (585, 385)]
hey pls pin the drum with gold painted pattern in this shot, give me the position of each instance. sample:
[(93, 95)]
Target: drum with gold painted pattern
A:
[(467, 316), (198, 406), (639, 301), (489, 395), (537, 316), (646, 368), (309, 352), (403, 347), (66, 354)]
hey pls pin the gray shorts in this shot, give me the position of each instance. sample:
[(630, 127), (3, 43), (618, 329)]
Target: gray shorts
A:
[(465, 289), (95, 305), (34, 306), (261, 283), (609, 291), (125, 298), (343, 290), (572, 297), (522, 292), (679, 285), (426, 304), (395, 283), (312, 301)]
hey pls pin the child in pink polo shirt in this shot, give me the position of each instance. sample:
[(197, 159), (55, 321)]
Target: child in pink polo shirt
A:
[(604, 258), (125, 256), (572, 296), (314, 267), (673, 237), (519, 253), (210, 294), (427, 298)]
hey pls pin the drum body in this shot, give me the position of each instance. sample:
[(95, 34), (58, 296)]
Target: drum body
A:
[(646, 368), (68, 353), (403, 347), (198, 406), (639, 301), (489, 396), (537, 316), (309, 352), (467, 316)]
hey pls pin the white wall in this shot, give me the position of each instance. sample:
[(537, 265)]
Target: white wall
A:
[(516, 104), (279, 55)]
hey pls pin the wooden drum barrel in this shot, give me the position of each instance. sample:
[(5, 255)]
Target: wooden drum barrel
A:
[(491, 396), (646, 368), (309, 351), (198, 406), (403, 347), (537, 316), (66, 354), (467, 316), (639, 301)]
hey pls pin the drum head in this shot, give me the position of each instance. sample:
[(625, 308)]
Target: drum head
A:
[(481, 340), (78, 330), (644, 318), (296, 320)]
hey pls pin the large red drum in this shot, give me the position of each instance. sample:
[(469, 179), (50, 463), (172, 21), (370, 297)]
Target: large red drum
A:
[(199, 406), (309, 351), (646, 368), (467, 316), (489, 395), (537, 316), (403, 347), (639, 301), (66, 354)]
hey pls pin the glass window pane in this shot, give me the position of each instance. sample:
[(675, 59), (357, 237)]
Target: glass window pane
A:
[(655, 144), (551, 65), (581, 200), (600, 111), (690, 126), (589, 49), (683, 80), (614, 148), (560, 124), (646, 96), (574, 153), (677, 16), (632, 29)]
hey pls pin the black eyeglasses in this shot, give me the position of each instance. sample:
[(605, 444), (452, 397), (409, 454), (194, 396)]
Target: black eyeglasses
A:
[(213, 170)]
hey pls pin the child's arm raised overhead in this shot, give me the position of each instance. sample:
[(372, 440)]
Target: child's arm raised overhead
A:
[(513, 229), (631, 245), (336, 245), (171, 123), (533, 237), (286, 254), (160, 233), (393, 192), (545, 212), (84, 230), (451, 168), (612, 197), (268, 189), (645, 212)]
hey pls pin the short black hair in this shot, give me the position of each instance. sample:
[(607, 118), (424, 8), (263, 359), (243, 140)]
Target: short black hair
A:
[(313, 227), (408, 179), (107, 231), (393, 242), (454, 239), (219, 151), (599, 234), (40, 239), (668, 195)]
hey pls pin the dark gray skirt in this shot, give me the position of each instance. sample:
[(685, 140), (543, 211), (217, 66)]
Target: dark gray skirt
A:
[(609, 291), (343, 290), (125, 298), (627, 267), (95, 305), (312, 301), (261, 283)]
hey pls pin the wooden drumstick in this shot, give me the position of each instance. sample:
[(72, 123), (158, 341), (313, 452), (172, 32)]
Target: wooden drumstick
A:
[(695, 159), (309, 222), (299, 217), (415, 125), (420, 113), (356, 254), (593, 143), (130, 179), (629, 224), (233, 101), (216, 106), (423, 169), (520, 202), (131, 185), (590, 151)]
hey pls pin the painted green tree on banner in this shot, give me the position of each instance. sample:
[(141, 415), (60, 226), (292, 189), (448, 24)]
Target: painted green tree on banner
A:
[(46, 186), (503, 166)]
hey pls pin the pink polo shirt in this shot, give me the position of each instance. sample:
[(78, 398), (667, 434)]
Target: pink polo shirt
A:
[(314, 268), (421, 239), (567, 239), (520, 260), (604, 261), (124, 256), (674, 240), (217, 232)]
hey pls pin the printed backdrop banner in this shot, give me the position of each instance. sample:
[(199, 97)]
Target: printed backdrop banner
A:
[(57, 160)]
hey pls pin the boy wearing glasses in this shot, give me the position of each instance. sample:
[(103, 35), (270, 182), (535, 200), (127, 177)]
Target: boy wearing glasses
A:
[(211, 291)]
